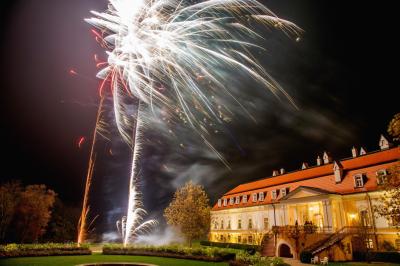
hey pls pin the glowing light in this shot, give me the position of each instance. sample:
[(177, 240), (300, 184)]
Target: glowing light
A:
[(156, 50), (352, 216)]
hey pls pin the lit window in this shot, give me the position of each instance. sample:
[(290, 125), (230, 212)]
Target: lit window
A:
[(397, 242), (274, 194), (219, 203), (261, 196), (358, 181), (237, 199), (222, 224), (225, 202), (231, 201), (254, 197), (369, 243), (245, 199), (284, 191), (250, 223), (266, 223), (381, 176), (239, 224)]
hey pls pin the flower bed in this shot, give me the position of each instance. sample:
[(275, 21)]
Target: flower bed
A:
[(245, 259), (48, 249), (179, 252)]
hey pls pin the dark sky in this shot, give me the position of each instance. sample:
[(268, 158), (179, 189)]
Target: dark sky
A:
[(343, 74)]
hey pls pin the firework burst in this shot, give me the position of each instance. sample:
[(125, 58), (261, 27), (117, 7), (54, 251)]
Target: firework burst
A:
[(161, 51)]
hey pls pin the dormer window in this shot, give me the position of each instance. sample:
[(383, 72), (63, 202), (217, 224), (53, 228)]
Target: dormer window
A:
[(237, 201), (231, 201), (358, 181), (284, 191), (261, 196), (274, 194), (225, 201), (381, 176), (255, 197), (245, 199)]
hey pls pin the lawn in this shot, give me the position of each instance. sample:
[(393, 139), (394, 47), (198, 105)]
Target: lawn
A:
[(363, 264), (74, 260)]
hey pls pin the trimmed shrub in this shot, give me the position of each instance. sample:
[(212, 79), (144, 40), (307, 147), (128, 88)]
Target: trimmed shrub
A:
[(48, 249), (204, 253), (248, 248), (305, 256), (392, 256)]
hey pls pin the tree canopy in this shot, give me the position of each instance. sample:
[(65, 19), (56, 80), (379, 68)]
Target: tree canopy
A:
[(189, 211)]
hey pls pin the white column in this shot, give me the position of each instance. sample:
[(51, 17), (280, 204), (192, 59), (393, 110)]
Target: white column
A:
[(327, 210)]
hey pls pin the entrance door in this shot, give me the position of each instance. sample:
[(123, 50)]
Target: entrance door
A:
[(284, 251)]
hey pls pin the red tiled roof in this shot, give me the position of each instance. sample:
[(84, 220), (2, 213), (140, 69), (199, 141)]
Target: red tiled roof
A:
[(319, 177)]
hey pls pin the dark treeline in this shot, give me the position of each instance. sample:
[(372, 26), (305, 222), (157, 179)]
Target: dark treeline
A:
[(34, 213)]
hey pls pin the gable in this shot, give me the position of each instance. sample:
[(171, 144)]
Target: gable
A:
[(304, 192)]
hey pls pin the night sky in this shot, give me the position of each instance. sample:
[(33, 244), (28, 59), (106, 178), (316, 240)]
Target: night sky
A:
[(343, 75)]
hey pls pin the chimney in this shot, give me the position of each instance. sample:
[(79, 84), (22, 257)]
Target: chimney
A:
[(282, 171), (275, 173), (384, 143), (327, 158), (319, 161), (304, 166), (338, 171), (354, 152), (363, 151)]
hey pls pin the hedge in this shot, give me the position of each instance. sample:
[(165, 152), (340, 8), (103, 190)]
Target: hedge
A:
[(391, 256), (231, 245), (180, 252), (48, 249)]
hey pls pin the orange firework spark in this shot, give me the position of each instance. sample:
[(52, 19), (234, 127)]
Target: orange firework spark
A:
[(82, 224), (81, 141)]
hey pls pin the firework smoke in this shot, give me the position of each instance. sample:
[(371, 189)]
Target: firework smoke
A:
[(171, 56)]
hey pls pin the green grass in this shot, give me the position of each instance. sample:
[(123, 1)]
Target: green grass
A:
[(74, 260)]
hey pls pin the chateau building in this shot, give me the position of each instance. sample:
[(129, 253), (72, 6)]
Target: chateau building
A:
[(326, 209)]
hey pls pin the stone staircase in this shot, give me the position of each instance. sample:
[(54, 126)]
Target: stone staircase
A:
[(268, 245), (331, 240)]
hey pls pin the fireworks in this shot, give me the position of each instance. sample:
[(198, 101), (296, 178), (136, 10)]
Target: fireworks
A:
[(82, 225), (161, 53)]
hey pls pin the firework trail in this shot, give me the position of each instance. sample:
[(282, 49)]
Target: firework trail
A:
[(82, 224), (161, 52)]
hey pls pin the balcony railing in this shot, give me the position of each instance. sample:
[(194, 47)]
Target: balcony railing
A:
[(300, 229)]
